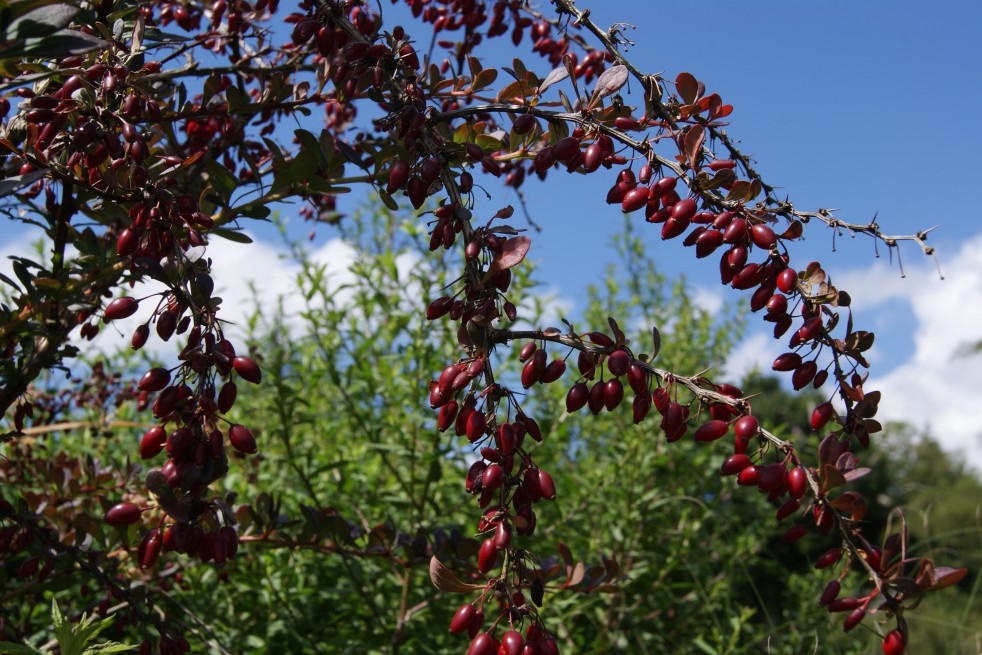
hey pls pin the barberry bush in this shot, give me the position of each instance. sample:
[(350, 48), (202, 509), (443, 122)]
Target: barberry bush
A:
[(138, 134)]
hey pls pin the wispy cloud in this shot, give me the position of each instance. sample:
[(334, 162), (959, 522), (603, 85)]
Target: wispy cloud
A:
[(937, 384)]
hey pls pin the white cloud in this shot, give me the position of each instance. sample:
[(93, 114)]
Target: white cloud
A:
[(755, 352), (933, 385), (709, 299), (937, 386)]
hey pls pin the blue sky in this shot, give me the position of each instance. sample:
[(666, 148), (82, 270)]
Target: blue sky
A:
[(868, 107)]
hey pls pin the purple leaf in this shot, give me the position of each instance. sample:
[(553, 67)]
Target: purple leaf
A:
[(610, 81)]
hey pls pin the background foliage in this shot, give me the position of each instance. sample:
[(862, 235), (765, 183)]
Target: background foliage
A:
[(355, 489)]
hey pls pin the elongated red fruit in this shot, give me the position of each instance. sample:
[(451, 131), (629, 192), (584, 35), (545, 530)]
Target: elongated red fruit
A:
[(547, 485), (152, 442), (154, 380), (822, 415), (123, 514), (894, 643), (121, 308), (462, 618), (242, 439), (711, 430), (487, 557), (248, 369), (634, 199), (797, 482), (734, 464)]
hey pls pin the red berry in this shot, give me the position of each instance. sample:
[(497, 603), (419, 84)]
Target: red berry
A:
[(797, 482), (894, 643), (511, 643), (613, 394), (736, 232), (226, 397), (398, 176), (803, 375), (547, 485), (788, 508), (635, 199), (553, 371), (847, 604), (462, 618), (855, 618), (771, 477), (122, 514), (822, 415), (476, 425), (735, 464), (577, 397), (830, 593), (494, 476), (596, 401), (439, 307), (787, 280), (641, 406), (149, 549), (746, 427), (711, 430), (618, 362), (248, 369), (242, 439), (487, 557), (787, 362), (154, 380), (763, 236), (152, 442), (483, 644), (637, 378), (127, 243), (121, 308), (828, 558), (502, 535)]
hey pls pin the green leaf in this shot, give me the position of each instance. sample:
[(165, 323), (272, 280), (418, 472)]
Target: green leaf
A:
[(231, 235), (17, 182), (42, 21), (108, 647)]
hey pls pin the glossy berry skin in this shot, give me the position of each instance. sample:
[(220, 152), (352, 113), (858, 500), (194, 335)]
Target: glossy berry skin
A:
[(618, 362), (822, 415), (154, 380), (547, 485), (483, 644), (487, 556), (787, 280), (711, 431), (121, 308), (511, 643), (152, 442), (242, 439), (894, 643), (123, 514), (855, 618), (462, 618), (577, 397), (828, 558), (830, 593), (613, 394), (734, 464), (797, 482), (248, 369)]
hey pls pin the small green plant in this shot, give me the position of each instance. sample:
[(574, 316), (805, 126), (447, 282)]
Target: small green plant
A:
[(72, 638)]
